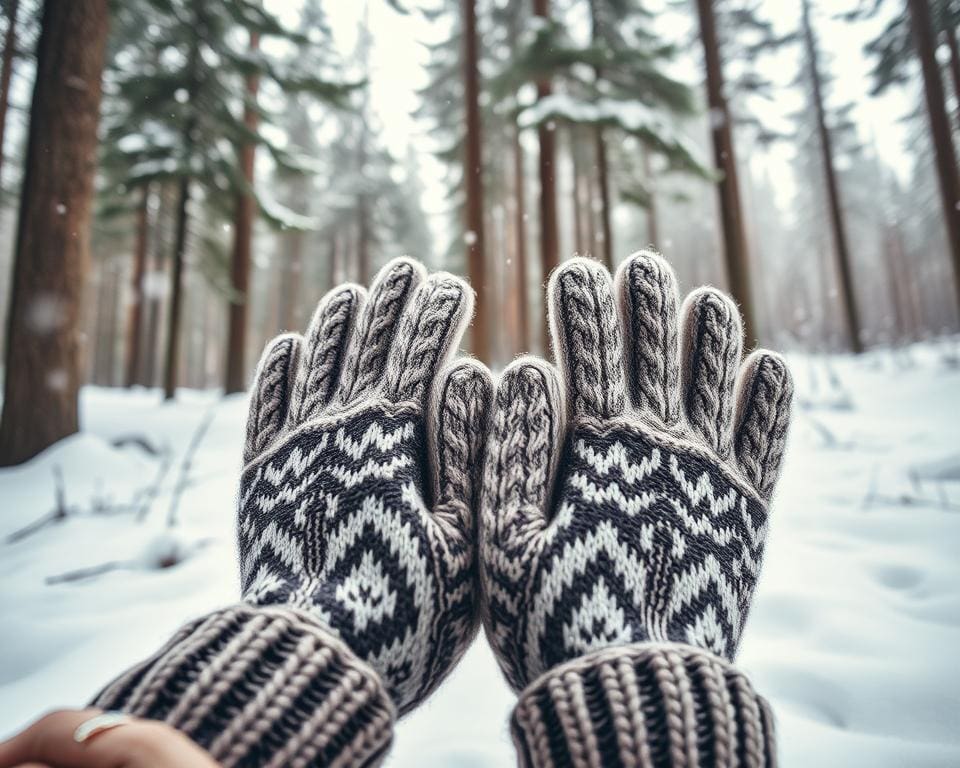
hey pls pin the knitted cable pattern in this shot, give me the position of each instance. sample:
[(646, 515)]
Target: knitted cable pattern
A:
[(361, 515), (260, 687), (606, 522), (327, 343), (648, 302)]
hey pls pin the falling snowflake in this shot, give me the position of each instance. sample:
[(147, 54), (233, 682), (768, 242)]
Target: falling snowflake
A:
[(46, 313), (57, 380)]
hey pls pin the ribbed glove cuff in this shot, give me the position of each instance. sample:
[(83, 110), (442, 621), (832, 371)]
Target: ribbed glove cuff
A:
[(262, 686), (644, 705)]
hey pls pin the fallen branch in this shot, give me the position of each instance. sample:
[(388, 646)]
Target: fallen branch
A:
[(183, 479), (58, 515)]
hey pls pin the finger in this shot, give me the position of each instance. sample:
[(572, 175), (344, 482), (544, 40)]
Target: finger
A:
[(646, 288), (370, 342), (325, 347), (457, 425), (432, 326), (270, 396), (523, 449), (586, 335), (50, 741), (711, 341), (763, 395)]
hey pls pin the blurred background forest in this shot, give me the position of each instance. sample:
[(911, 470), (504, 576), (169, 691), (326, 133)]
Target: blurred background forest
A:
[(181, 180)]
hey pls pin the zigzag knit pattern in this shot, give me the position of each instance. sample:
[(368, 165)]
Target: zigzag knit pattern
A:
[(651, 541), (333, 521)]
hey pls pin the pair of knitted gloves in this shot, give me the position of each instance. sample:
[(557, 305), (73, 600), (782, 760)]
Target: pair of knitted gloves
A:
[(606, 521)]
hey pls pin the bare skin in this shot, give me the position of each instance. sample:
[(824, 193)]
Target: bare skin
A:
[(49, 743)]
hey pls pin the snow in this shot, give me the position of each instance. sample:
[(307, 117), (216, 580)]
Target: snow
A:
[(853, 634)]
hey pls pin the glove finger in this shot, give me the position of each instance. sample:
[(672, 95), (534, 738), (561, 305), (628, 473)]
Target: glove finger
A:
[(457, 426), (523, 449), (366, 360), (432, 325), (587, 339), (711, 343), (324, 350), (270, 396), (763, 395), (646, 289)]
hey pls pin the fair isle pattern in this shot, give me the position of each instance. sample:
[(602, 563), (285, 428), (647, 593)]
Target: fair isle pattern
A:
[(333, 521), (649, 542)]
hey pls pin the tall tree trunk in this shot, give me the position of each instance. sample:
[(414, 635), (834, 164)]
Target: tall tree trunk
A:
[(851, 314), (172, 358), (728, 190), (549, 246), (43, 354), (925, 42), (603, 182), (171, 368), (151, 342), (473, 177), (520, 272), (600, 143), (951, 34), (111, 328), (6, 72), (135, 313), (653, 234), (236, 369), (333, 259), (290, 277), (575, 196), (590, 211)]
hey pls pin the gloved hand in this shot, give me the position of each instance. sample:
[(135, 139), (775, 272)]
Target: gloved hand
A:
[(361, 466), (626, 501)]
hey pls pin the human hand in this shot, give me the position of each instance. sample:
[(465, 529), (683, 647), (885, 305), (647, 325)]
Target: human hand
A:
[(50, 743)]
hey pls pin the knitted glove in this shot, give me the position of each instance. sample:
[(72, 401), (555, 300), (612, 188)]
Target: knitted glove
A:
[(619, 554), (356, 499), (355, 538)]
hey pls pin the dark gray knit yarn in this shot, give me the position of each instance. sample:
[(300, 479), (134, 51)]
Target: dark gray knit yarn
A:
[(356, 541), (356, 504), (625, 499)]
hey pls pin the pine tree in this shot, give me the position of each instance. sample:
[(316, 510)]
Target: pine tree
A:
[(180, 119), (43, 354), (915, 36), (840, 244)]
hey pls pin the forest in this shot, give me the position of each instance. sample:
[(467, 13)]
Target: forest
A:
[(181, 180)]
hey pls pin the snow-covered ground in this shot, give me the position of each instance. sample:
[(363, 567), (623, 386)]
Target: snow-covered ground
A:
[(854, 635)]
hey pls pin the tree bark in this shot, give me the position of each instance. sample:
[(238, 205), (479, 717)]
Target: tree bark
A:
[(728, 190), (151, 345), (951, 34), (653, 234), (171, 369), (946, 159), (43, 353), (6, 72), (172, 361), (135, 314), (603, 182), (549, 246), (473, 179), (520, 272), (851, 314), (291, 275), (236, 369), (575, 196)]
